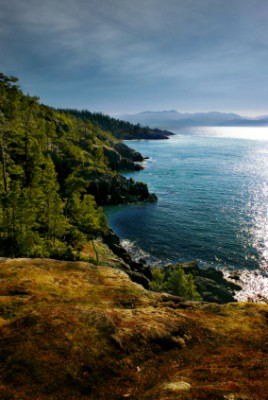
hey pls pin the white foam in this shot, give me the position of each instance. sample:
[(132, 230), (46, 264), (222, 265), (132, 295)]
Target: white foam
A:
[(254, 285), (138, 253)]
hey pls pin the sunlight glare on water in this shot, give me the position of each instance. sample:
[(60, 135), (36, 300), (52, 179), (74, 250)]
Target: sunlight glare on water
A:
[(245, 132), (212, 188)]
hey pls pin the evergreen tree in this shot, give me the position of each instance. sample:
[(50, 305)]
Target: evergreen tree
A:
[(175, 282), (181, 285), (48, 158), (51, 217)]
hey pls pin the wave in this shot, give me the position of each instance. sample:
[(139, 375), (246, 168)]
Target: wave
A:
[(137, 253), (254, 284)]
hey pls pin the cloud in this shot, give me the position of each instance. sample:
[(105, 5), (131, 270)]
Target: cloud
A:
[(186, 46)]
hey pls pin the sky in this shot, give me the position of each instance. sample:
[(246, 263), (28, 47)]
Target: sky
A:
[(127, 56)]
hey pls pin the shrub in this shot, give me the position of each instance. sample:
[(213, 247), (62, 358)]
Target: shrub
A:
[(175, 282)]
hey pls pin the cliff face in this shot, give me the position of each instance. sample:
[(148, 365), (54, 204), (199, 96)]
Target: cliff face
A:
[(121, 157), (108, 189), (78, 331)]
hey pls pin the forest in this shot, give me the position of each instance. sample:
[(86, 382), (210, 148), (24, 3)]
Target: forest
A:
[(120, 129), (48, 159)]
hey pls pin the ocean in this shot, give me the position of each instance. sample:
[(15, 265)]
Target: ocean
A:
[(212, 188)]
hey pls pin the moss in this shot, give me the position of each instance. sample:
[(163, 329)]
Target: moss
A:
[(75, 330)]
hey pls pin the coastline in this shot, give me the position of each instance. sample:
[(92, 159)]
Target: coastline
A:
[(253, 284), (210, 283)]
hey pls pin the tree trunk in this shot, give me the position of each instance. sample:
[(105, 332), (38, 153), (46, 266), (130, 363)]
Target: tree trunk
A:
[(95, 251), (3, 161)]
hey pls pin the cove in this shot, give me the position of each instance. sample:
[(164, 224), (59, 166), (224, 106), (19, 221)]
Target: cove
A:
[(212, 188)]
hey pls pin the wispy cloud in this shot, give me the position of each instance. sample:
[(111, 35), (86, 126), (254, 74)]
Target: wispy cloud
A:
[(123, 49)]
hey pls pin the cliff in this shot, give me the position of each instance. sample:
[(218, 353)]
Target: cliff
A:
[(75, 330), (115, 189), (57, 168)]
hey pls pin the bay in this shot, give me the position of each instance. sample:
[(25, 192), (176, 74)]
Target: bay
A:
[(212, 188)]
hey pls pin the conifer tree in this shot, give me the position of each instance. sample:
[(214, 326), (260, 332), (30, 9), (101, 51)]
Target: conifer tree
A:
[(51, 217)]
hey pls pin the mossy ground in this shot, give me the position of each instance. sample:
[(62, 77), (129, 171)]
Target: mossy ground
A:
[(75, 330)]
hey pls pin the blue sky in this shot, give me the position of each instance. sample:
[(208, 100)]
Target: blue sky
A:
[(124, 56)]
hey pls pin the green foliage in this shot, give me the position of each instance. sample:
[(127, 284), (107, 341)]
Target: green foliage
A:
[(157, 284), (47, 158), (120, 129), (174, 281)]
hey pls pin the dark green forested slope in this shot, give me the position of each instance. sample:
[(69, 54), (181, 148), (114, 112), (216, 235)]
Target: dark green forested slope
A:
[(120, 129), (54, 166)]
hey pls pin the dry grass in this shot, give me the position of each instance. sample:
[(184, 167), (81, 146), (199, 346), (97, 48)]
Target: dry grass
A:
[(78, 331)]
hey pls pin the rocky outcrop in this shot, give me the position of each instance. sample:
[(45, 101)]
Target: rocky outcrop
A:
[(108, 189), (75, 330), (128, 152), (121, 157), (149, 134), (111, 189), (139, 272), (118, 162), (211, 284)]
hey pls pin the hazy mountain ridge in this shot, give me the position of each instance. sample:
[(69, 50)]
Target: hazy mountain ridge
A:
[(247, 122), (173, 119)]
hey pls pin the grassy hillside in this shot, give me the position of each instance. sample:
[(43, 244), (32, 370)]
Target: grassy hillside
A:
[(70, 330)]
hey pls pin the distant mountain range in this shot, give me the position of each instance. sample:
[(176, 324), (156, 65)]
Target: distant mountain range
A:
[(174, 119)]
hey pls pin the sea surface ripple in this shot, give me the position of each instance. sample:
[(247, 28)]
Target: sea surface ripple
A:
[(212, 188)]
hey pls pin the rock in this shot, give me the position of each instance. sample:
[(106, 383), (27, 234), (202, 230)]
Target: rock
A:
[(237, 396), (191, 267), (212, 291), (122, 157), (177, 386), (152, 198), (139, 278), (128, 152), (211, 283), (139, 272), (142, 261), (180, 342), (108, 189), (235, 276), (117, 162), (153, 134)]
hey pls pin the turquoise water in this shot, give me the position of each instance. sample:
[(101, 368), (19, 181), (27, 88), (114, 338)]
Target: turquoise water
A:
[(212, 188)]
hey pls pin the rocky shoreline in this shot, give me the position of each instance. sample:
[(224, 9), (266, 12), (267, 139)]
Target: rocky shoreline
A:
[(116, 189), (211, 283), (137, 270), (151, 134), (121, 157)]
